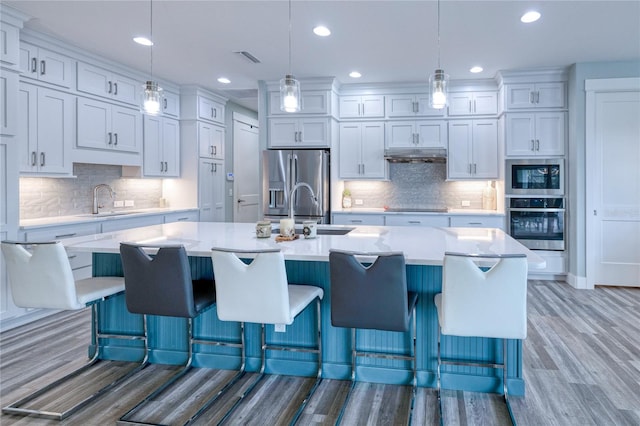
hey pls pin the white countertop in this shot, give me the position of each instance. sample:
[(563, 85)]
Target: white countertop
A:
[(88, 218), (421, 245), (381, 210)]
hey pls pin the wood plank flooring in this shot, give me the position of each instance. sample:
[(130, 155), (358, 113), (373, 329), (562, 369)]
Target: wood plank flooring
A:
[(581, 367)]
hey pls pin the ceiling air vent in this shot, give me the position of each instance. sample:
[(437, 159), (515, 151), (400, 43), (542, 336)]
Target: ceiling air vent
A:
[(249, 56)]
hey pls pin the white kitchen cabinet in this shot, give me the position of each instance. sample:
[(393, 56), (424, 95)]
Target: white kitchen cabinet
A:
[(45, 65), (416, 134), (211, 197), (535, 134), (362, 151), (210, 140), (187, 216), (106, 126), (8, 101), (473, 103), (411, 106), (161, 153), (535, 95), (473, 149), (171, 104), (357, 219), (210, 110), (9, 45), (121, 223), (311, 102), (371, 106), (45, 130), (417, 220), (107, 84), (477, 221), (299, 133)]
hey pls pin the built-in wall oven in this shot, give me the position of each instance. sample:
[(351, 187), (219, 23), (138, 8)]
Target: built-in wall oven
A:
[(534, 177), (537, 223)]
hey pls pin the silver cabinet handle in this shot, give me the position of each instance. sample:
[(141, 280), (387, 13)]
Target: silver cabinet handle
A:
[(300, 132), (363, 172), (115, 88), (43, 68), (475, 168), (41, 159), (211, 168), (359, 113), (415, 222), (115, 138), (470, 110), (533, 145), (531, 94), (474, 106), (182, 219), (166, 166), (110, 138), (474, 223), (34, 64), (362, 109), (537, 96), (165, 103), (215, 151), (110, 87), (211, 112), (215, 113), (215, 168), (355, 220), (33, 158), (66, 235), (537, 144), (161, 166)]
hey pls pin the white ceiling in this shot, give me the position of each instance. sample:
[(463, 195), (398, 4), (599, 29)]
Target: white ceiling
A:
[(387, 41)]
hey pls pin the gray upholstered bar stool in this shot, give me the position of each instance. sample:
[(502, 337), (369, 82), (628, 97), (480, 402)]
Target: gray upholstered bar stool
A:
[(40, 276), (372, 297), (162, 285), (260, 293), (482, 303)]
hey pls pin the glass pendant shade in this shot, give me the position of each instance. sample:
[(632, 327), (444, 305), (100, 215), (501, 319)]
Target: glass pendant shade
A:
[(289, 94), (438, 83), (151, 98)]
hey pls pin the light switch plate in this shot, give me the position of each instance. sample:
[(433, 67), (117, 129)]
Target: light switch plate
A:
[(118, 203), (128, 203), (358, 202), (466, 203)]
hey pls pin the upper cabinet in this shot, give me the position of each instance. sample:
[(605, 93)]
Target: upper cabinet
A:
[(535, 134), (416, 134), (9, 45), (161, 153), (371, 106), (171, 104), (362, 150), (101, 82), (473, 149), (103, 126), (210, 140), (411, 106), (210, 110), (473, 103), (312, 102), (535, 95), (299, 132), (47, 66)]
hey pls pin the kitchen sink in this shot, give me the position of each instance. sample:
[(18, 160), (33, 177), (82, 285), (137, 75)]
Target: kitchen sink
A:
[(322, 231)]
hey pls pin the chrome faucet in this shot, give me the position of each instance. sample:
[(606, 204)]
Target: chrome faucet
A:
[(294, 189), (95, 195)]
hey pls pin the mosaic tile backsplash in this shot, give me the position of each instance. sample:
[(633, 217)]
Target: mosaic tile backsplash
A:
[(47, 197), (416, 186)]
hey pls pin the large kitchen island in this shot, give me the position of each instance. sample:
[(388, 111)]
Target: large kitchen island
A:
[(307, 263)]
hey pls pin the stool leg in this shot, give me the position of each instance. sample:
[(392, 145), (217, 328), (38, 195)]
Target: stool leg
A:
[(414, 381), (438, 383), (504, 381), (353, 375)]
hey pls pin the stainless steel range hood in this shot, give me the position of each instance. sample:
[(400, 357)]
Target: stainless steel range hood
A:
[(416, 155)]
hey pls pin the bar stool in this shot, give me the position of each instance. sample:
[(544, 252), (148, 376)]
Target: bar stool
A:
[(477, 303), (260, 293), (162, 285), (41, 277), (375, 298)]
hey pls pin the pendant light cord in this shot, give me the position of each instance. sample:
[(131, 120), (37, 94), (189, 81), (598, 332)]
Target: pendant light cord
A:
[(438, 34), (151, 35), (289, 37)]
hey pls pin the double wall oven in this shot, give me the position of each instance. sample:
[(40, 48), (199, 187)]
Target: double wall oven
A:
[(536, 203)]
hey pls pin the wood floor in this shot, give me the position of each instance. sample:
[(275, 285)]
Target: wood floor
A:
[(581, 367)]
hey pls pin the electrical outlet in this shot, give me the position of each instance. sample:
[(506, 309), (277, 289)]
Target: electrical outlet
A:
[(230, 192), (128, 203), (465, 203), (358, 202), (118, 203)]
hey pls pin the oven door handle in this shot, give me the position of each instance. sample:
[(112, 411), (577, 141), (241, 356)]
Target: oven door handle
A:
[(541, 210)]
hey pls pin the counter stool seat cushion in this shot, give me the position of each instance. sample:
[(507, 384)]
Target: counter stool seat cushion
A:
[(91, 289)]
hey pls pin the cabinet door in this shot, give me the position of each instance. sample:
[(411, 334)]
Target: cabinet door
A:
[(400, 106), (374, 166), (519, 95), (460, 103), (311, 102), (401, 134), (171, 147), (485, 103), (28, 60), (350, 146), (550, 95), (94, 80), (9, 44), (479, 221), (94, 123), (27, 132), (282, 132), (126, 89), (209, 109), (424, 107), (8, 100), (550, 133), (459, 153), (205, 190), (520, 134), (55, 68), (171, 104), (127, 129), (485, 149), (358, 219), (372, 106), (152, 153), (218, 191), (432, 134), (314, 132), (210, 140), (55, 131), (218, 142), (349, 106)]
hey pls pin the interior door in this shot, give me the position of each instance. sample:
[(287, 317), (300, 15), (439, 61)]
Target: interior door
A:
[(613, 183), (246, 167)]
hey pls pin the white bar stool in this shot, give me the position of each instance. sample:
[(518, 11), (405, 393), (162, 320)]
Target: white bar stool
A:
[(477, 303), (41, 277)]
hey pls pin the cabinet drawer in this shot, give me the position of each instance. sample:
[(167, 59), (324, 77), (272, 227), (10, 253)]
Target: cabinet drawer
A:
[(61, 232), (358, 219), (478, 221), (417, 220), (134, 222), (181, 217)]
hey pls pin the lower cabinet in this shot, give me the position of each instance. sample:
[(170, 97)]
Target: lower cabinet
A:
[(477, 221), (357, 219), (211, 190), (417, 220)]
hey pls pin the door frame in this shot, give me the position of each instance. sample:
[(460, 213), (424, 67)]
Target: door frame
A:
[(592, 87)]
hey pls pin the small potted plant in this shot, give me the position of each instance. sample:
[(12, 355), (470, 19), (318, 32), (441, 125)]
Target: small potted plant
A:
[(346, 199)]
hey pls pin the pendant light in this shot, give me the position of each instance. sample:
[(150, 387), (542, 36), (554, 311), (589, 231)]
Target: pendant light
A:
[(438, 81), (151, 91), (289, 86)]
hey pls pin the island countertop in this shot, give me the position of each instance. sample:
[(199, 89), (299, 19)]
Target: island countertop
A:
[(420, 245)]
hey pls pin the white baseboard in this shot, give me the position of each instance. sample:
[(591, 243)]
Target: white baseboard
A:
[(577, 282)]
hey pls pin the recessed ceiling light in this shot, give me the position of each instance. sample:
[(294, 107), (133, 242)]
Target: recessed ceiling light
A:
[(321, 31), (143, 41), (476, 69), (224, 80), (531, 16), (355, 74)]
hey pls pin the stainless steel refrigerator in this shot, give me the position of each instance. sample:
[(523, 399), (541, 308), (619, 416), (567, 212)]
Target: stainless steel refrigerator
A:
[(281, 170)]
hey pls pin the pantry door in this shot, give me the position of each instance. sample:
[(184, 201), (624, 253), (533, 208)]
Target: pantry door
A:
[(613, 182), (246, 169)]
